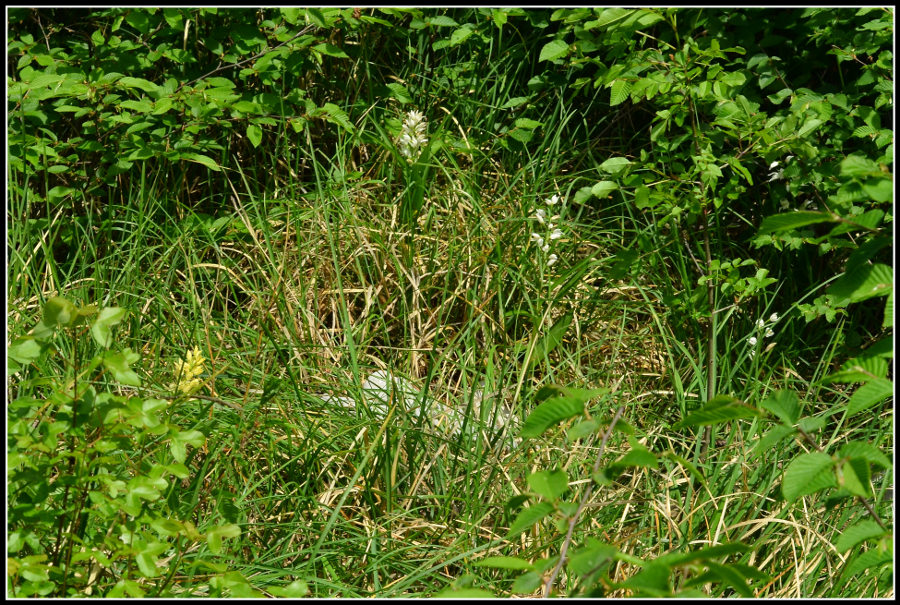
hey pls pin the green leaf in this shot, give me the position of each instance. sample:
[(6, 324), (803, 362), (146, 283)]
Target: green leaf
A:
[(888, 311), (582, 430), (860, 532), (338, 116), (528, 123), (254, 134), (400, 92), (24, 350), (653, 580), (294, 590), (793, 220), (858, 166), (783, 404), (855, 477), (215, 535), (527, 583), (720, 408), (615, 165), (331, 50), (859, 369), (118, 365), (556, 409), (529, 517), (865, 451), (514, 102), (142, 84), (553, 50), (504, 563), (550, 485), (591, 557), (867, 561), (199, 158), (602, 188), (730, 576), (620, 91), (102, 326), (863, 283), (870, 394), (771, 438), (807, 474), (441, 21), (461, 35)]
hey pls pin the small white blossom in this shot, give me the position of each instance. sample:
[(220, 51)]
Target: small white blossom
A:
[(752, 352), (556, 234), (545, 248), (752, 341), (551, 260), (553, 200), (540, 215), (769, 333), (760, 323), (773, 165), (773, 317)]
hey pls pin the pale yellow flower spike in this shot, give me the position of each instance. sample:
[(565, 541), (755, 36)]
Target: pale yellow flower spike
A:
[(187, 373)]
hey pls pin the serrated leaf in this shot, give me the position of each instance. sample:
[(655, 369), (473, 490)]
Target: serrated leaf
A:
[(620, 91), (863, 283), (888, 311), (865, 451), (582, 430), (869, 560), (860, 532), (859, 369), (199, 158), (441, 21), (338, 116), (400, 92), (514, 102), (553, 50), (529, 517), (784, 405), (569, 403), (855, 477), (869, 394), (528, 123), (254, 134), (638, 457), (591, 557), (550, 485), (807, 474), (461, 35), (331, 50), (720, 408), (793, 220)]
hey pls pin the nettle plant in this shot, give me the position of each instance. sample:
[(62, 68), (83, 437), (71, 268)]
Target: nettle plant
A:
[(92, 466)]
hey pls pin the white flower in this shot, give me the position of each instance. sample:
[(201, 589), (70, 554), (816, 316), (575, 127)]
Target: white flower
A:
[(769, 333), (412, 137), (553, 200), (546, 248), (551, 260), (556, 234), (773, 317), (773, 165), (752, 341), (785, 204), (537, 238), (760, 324), (540, 215), (752, 352)]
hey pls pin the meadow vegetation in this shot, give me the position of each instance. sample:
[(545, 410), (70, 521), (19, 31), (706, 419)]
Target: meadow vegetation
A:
[(458, 302)]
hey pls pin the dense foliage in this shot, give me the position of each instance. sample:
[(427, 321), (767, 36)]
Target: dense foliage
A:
[(656, 242)]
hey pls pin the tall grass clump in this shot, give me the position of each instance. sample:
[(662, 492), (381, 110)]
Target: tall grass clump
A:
[(399, 302)]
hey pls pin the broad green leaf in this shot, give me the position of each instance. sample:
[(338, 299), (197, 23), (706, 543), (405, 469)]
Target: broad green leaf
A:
[(720, 408), (869, 394), (639, 456), (553, 50), (294, 590), (591, 557), (528, 123), (710, 552), (528, 518), (145, 85), (865, 451), (859, 369), (514, 102), (868, 561), (793, 220), (199, 158), (254, 134), (331, 50), (620, 91), (461, 35), (215, 535), (24, 350), (550, 485), (614, 165), (730, 576), (556, 409), (888, 311), (338, 116), (400, 92), (865, 282), (783, 404), (807, 474), (602, 188), (582, 430), (855, 477), (101, 330), (859, 532), (504, 563), (118, 364), (858, 166), (771, 438), (653, 580), (527, 583), (441, 21)]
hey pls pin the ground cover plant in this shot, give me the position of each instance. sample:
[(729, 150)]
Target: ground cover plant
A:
[(450, 302)]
